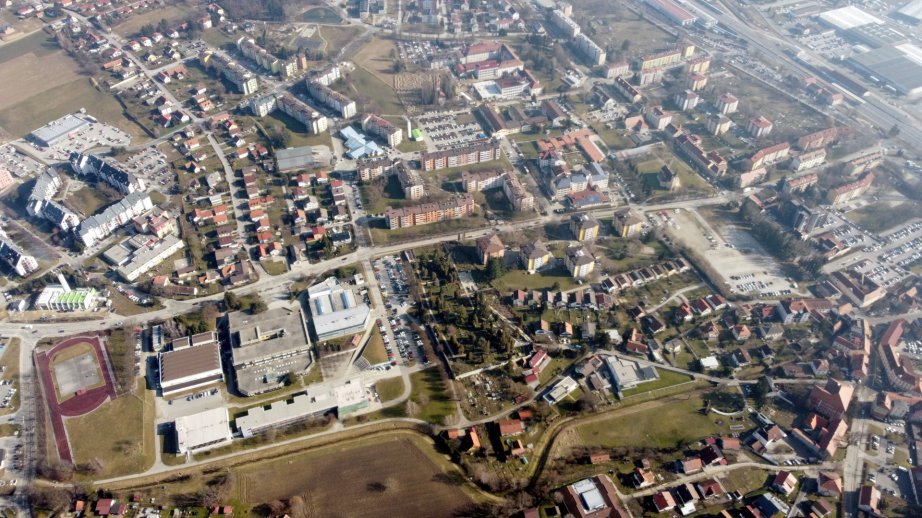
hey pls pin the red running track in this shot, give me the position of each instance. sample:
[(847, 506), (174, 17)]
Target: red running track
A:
[(77, 405)]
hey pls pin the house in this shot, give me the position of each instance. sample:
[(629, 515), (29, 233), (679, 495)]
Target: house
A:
[(829, 483), (663, 501), (643, 478), (599, 457), (711, 455), (534, 256), (768, 435), (691, 465), (490, 247), (784, 482), (510, 427), (741, 333), (709, 488), (833, 399), (868, 499), (104, 506)]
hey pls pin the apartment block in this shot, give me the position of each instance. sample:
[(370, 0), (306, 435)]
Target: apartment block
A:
[(588, 49), (265, 59), (382, 128), (242, 79), (331, 98), (460, 156), (428, 213)]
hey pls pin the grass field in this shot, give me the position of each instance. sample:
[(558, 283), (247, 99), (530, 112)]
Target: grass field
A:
[(174, 12), (277, 267), (383, 236), (390, 475), (10, 363), (431, 395), (666, 379), (661, 427), (124, 306), (119, 434), (389, 389), (374, 350), (375, 56), (371, 93), (338, 36), (882, 216), (545, 279), (320, 15), (88, 200)]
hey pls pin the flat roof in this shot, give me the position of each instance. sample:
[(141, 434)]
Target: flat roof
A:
[(848, 17), (267, 335), (60, 128), (208, 427), (318, 398), (295, 158), (901, 66), (190, 361), (912, 10)]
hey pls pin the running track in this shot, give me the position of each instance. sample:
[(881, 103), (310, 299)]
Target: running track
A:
[(76, 405)]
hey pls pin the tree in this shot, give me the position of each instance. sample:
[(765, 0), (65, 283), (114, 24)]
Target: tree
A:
[(495, 268), (625, 45), (231, 301), (258, 306), (602, 339), (278, 136), (894, 131)]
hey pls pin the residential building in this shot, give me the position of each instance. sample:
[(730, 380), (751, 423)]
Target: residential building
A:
[(818, 140), (535, 256), (718, 124), (120, 180), (850, 191), (245, 82), (411, 182), (769, 155), (460, 156), (285, 68), (801, 183), (696, 81), (380, 127), (314, 121), (658, 118), (860, 289), (686, 101), (490, 247), (134, 257), (759, 127), (477, 181), (584, 227), (808, 160), (331, 98), (41, 204), (668, 179), (710, 164), (832, 400), (579, 261), (454, 208), (564, 23), (10, 253), (592, 53), (727, 103), (518, 196), (99, 226), (627, 224), (594, 497)]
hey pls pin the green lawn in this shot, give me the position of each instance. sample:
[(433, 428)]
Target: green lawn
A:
[(661, 427), (431, 396), (382, 236), (374, 351), (882, 216), (409, 146), (122, 449), (520, 279), (277, 267), (389, 389), (666, 379), (745, 480), (375, 93)]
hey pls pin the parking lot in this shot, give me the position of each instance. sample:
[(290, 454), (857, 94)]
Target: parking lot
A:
[(149, 164), (396, 328), (18, 164), (885, 259), (451, 129)]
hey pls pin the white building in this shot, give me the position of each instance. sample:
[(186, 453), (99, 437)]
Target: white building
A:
[(343, 396), (591, 52), (332, 99), (202, 431), (564, 23), (60, 297), (10, 253), (560, 390), (335, 310), (99, 226)]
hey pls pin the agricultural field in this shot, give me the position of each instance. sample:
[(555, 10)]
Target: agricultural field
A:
[(42, 83), (397, 474)]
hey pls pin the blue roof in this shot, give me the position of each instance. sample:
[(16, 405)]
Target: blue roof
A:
[(357, 144)]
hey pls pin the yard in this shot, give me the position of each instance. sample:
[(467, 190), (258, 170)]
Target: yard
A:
[(116, 450), (397, 474), (541, 280), (661, 426), (87, 200)]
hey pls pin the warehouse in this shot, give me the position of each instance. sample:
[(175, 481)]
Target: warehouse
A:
[(911, 12), (297, 158), (190, 368), (900, 67), (848, 17), (60, 129), (344, 397), (335, 310), (202, 431)]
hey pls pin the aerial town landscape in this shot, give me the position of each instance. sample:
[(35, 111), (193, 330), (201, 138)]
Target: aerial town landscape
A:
[(620, 258)]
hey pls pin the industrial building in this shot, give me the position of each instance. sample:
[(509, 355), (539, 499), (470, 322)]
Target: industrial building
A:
[(627, 374), (190, 368), (335, 310), (848, 17), (344, 397), (265, 347), (202, 431), (296, 158), (899, 67)]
